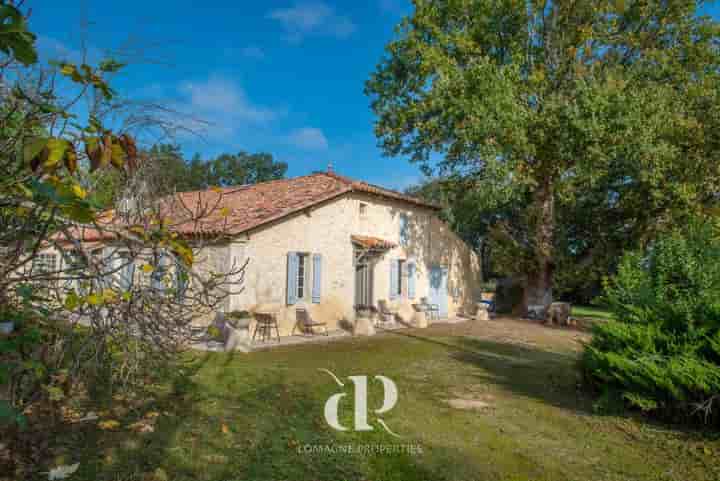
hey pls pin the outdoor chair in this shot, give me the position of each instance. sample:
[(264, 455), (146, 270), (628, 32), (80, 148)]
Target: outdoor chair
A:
[(306, 324), (433, 310), (264, 324), (387, 314)]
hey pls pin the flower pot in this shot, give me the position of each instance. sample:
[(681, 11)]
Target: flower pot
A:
[(7, 327)]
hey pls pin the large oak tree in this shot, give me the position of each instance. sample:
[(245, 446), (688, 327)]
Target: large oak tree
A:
[(541, 102)]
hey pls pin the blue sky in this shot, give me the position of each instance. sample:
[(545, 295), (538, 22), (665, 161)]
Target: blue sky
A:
[(284, 77)]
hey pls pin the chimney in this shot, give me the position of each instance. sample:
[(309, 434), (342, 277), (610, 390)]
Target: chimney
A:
[(330, 167)]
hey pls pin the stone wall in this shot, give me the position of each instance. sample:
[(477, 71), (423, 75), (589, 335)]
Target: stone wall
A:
[(326, 229)]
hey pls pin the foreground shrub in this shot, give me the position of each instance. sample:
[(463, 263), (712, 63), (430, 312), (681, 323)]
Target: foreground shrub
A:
[(662, 353)]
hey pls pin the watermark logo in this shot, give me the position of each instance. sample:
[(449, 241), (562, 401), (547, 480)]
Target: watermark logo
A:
[(332, 405)]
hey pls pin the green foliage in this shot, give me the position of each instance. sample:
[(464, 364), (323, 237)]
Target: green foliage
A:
[(15, 39), (573, 131), (225, 170), (662, 353)]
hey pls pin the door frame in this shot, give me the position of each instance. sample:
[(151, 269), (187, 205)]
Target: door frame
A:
[(442, 290)]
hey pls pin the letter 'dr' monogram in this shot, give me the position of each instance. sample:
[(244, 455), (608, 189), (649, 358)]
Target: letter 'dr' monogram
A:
[(390, 397)]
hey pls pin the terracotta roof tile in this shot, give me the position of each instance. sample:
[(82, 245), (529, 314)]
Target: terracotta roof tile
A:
[(238, 209)]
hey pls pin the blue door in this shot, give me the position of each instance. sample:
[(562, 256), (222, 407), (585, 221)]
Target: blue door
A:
[(438, 289)]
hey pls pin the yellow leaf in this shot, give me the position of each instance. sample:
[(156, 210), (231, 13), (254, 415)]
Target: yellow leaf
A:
[(216, 189), (224, 212), (93, 299), (109, 295), (147, 268), (108, 425), (55, 152), (72, 301), (117, 155), (79, 191)]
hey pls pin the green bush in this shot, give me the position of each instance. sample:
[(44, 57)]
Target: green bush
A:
[(662, 353)]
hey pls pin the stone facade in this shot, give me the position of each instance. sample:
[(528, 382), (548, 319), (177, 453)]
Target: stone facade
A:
[(326, 229)]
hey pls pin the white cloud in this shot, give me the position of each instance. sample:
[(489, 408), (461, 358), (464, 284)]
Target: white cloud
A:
[(312, 18), (218, 96), (308, 138), (215, 108)]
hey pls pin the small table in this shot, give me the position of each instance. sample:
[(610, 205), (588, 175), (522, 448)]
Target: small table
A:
[(265, 322), (432, 310)]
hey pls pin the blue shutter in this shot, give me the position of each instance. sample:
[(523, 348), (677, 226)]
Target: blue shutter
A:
[(158, 274), (411, 280), (127, 273), (293, 265), (394, 273), (403, 229), (317, 278)]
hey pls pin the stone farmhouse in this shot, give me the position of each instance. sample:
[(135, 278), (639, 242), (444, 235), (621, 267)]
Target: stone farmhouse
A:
[(330, 243)]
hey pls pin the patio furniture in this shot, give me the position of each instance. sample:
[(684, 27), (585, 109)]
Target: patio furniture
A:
[(420, 317), (386, 313), (433, 310), (536, 312), (305, 322), (265, 322)]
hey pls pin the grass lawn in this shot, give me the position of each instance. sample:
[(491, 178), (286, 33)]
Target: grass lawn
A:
[(245, 417), (591, 312)]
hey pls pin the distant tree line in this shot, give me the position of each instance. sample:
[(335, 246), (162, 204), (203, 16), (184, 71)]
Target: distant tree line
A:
[(182, 175)]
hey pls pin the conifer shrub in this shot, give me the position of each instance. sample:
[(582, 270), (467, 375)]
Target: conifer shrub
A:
[(661, 354)]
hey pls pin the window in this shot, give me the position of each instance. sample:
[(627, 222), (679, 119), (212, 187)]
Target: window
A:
[(182, 279), (157, 277), (401, 278), (126, 274), (44, 264), (302, 275), (404, 234), (363, 210)]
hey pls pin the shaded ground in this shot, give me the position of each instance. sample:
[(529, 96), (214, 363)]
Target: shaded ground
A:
[(495, 400)]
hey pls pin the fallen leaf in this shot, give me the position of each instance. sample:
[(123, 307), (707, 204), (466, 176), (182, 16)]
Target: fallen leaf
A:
[(108, 425), (225, 429), (62, 472)]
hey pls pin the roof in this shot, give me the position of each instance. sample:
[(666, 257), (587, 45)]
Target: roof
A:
[(372, 243), (238, 209)]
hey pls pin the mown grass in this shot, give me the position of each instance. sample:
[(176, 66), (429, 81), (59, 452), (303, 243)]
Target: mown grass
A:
[(245, 417), (591, 312)]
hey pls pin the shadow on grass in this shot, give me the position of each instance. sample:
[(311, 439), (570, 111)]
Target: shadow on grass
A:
[(221, 420), (548, 376)]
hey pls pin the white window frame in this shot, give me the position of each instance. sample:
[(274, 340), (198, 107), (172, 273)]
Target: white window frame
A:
[(303, 277), (401, 287)]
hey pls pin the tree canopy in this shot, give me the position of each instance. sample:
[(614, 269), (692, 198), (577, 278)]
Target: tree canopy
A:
[(224, 170), (598, 111)]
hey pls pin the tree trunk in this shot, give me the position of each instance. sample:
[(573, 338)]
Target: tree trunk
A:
[(539, 282)]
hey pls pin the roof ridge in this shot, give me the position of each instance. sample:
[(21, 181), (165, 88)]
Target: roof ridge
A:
[(236, 188)]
